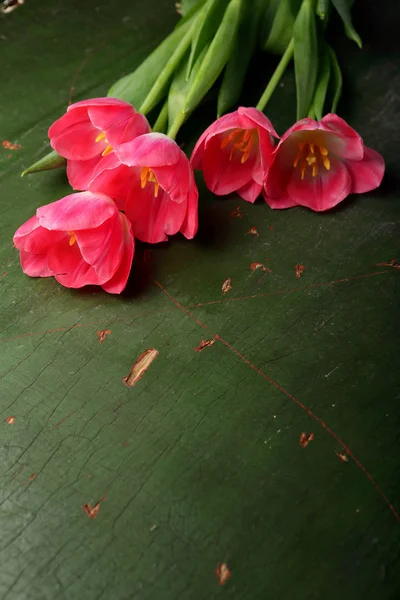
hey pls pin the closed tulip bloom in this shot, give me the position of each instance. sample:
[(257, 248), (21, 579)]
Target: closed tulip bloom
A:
[(79, 240)]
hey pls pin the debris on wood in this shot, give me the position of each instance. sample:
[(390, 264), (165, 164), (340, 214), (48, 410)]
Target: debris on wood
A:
[(140, 367), (10, 420), (343, 456), (256, 265), (299, 270), (10, 146), (226, 286), (32, 476), (92, 511), (223, 573), (204, 344), (102, 335), (236, 213), (253, 231), (305, 439), (393, 263), (178, 8)]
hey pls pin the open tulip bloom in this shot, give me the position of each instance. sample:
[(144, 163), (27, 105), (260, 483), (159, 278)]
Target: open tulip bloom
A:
[(319, 163)]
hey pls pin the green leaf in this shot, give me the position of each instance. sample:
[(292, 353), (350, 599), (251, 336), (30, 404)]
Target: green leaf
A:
[(207, 23), (216, 58), (190, 13), (52, 160), (305, 57), (159, 88), (322, 86), (337, 79), (278, 25), (343, 7), (322, 8), (178, 92), (136, 86), (161, 124), (188, 6), (239, 59)]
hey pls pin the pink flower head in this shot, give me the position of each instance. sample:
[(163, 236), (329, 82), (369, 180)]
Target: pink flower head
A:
[(234, 153), (90, 130), (80, 240), (318, 164), (152, 181)]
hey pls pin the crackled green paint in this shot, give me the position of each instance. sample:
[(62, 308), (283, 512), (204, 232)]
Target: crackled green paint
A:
[(200, 462)]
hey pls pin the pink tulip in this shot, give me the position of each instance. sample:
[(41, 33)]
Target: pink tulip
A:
[(234, 153), (90, 130), (319, 163), (80, 240), (151, 180)]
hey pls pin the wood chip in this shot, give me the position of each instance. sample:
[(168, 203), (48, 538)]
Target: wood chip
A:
[(204, 344), (32, 476), (236, 213), (253, 231), (305, 439), (10, 146), (343, 456), (140, 367), (10, 420), (299, 270), (223, 573), (92, 511), (226, 286), (102, 335)]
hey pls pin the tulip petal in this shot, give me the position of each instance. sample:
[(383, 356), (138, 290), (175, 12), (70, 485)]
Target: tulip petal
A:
[(322, 192), (224, 176), (279, 203), (114, 179), (190, 222), (102, 101), (119, 280), (83, 210), (71, 117), (69, 268), (80, 172), (31, 237), (78, 142), (343, 140), (366, 174), (258, 119), (149, 150), (35, 265), (250, 191)]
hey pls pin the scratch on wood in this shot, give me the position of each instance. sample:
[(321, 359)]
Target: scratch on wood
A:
[(63, 420), (392, 263), (10, 420), (305, 439), (140, 367), (223, 573), (226, 286), (253, 231), (102, 335), (299, 270), (204, 344)]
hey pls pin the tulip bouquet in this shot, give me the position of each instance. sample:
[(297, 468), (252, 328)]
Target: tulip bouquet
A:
[(134, 181)]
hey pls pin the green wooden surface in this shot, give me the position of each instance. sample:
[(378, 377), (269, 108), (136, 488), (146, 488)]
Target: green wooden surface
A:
[(200, 463)]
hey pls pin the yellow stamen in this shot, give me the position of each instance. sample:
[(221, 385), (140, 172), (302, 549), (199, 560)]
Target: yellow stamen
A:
[(314, 170), (147, 175), (323, 151), (303, 170), (296, 160), (72, 238), (311, 160), (100, 137), (242, 141), (326, 163), (108, 149)]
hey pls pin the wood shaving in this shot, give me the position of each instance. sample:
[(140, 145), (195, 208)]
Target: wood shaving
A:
[(204, 344), (253, 231), (10, 146), (305, 439), (226, 286), (299, 270), (236, 213), (10, 420), (343, 456), (223, 573), (102, 335), (92, 511), (139, 368)]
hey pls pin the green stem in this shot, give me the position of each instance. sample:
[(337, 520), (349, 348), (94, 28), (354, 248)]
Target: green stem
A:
[(276, 77), (162, 120), (177, 124)]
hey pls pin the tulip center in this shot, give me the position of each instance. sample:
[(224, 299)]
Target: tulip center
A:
[(72, 238), (311, 155), (102, 136), (147, 175), (241, 142)]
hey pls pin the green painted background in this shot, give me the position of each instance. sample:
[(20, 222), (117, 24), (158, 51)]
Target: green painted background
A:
[(200, 463)]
